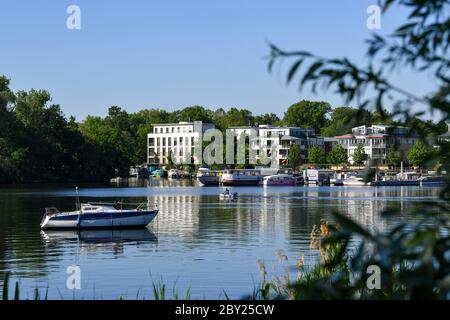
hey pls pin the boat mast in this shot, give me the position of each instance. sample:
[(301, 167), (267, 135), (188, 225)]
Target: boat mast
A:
[(78, 207), (77, 201)]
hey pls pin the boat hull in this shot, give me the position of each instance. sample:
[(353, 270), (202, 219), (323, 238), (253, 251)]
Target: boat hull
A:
[(280, 183), (397, 183), (208, 180), (122, 219), (356, 183), (240, 182)]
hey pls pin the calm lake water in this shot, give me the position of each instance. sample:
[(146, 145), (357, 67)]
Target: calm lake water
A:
[(197, 241)]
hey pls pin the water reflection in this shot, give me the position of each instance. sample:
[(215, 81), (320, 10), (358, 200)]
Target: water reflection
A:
[(98, 236), (208, 243)]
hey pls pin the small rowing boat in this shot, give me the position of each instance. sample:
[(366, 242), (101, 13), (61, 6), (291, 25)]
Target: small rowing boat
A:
[(228, 195)]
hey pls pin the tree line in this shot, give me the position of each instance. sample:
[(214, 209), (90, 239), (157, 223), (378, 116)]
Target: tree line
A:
[(38, 143)]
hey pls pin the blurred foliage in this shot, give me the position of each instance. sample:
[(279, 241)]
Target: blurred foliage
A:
[(414, 259)]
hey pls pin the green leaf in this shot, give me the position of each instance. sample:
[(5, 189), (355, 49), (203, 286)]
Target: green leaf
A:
[(293, 70)]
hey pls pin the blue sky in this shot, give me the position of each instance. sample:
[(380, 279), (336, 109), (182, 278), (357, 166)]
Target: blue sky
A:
[(172, 54)]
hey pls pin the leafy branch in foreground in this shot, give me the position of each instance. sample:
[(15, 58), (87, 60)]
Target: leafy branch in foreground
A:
[(420, 44), (414, 260)]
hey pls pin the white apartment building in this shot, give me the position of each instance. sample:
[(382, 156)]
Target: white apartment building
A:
[(281, 139), (377, 140), (176, 140)]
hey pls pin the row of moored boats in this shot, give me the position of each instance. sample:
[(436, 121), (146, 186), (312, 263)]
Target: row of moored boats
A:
[(285, 177)]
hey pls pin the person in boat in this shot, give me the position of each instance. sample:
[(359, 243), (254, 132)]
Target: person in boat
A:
[(227, 191)]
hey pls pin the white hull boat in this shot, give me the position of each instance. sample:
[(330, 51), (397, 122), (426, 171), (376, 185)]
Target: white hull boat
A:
[(355, 182), (94, 215), (279, 180)]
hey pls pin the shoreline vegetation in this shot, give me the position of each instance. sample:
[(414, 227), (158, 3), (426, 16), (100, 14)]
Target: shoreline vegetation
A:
[(39, 144)]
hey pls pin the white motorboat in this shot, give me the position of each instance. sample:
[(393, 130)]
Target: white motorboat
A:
[(279, 180), (245, 177), (355, 181), (98, 215), (336, 182)]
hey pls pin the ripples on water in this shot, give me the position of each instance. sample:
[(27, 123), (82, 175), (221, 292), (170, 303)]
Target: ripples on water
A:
[(197, 241)]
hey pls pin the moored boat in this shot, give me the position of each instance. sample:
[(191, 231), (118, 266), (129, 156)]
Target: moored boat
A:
[(245, 177), (207, 177), (432, 181), (98, 215), (279, 180), (158, 173), (355, 181), (317, 176)]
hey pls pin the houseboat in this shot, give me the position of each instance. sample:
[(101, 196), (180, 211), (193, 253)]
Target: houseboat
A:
[(279, 180), (208, 177), (245, 177), (318, 176)]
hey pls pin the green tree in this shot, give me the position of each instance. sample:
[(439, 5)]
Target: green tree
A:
[(141, 123), (38, 144), (194, 113), (418, 154), (294, 156), (308, 114), (316, 155), (338, 155), (234, 117), (393, 156), (359, 156), (343, 119), (267, 118)]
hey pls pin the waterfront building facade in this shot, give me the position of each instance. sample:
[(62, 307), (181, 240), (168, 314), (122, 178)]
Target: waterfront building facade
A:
[(377, 141), (328, 143), (176, 140), (281, 139)]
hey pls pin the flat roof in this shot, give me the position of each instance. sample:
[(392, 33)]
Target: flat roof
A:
[(181, 123), (243, 127)]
